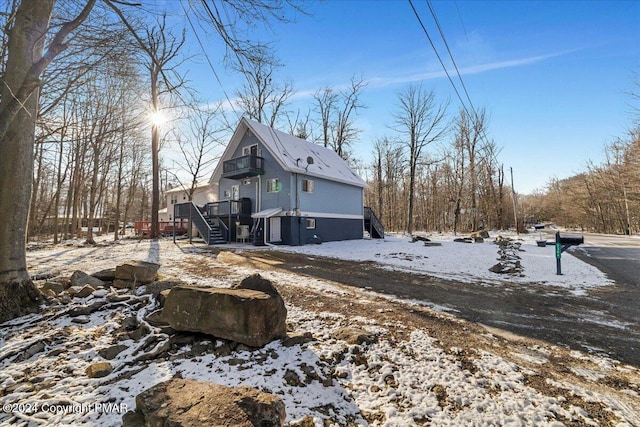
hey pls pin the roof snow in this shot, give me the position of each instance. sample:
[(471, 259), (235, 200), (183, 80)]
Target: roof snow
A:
[(294, 154)]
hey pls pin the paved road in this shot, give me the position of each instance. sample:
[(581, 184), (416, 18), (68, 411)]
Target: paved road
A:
[(605, 321), (618, 256)]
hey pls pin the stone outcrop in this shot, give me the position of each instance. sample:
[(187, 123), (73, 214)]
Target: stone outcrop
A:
[(135, 273), (247, 316), (181, 402)]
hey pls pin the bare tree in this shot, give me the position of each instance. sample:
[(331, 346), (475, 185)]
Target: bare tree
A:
[(420, 121), (299, 125), (261, 97), (345, 130), (25, 63), (325, 103), (198, 148), (336, 112), (161, 48)]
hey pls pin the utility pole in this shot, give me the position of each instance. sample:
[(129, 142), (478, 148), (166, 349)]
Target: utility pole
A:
[(515, 204)]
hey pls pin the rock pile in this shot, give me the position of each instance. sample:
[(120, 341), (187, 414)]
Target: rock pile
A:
[(250, 314), (508, 258)]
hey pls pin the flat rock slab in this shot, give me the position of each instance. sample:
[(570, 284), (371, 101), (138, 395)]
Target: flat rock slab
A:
[(247, 316), (192, 403)]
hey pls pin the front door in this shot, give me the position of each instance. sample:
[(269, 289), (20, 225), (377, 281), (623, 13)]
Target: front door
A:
[(274, 229)]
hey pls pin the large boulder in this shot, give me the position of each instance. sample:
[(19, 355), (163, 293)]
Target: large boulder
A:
[(181, 402), (256, 282), (251, 317), (135, 273)]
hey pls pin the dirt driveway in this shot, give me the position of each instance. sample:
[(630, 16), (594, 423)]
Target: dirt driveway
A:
[(594, 323)]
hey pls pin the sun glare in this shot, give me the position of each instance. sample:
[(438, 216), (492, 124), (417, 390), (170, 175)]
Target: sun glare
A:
[(157, 118)]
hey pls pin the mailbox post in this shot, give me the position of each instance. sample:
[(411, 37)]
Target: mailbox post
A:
[(562, 244)]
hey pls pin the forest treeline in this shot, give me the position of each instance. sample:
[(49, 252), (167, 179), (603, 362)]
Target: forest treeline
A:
[(605, 198)]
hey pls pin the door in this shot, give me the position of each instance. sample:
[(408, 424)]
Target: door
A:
[(235, 195), (274, 229)]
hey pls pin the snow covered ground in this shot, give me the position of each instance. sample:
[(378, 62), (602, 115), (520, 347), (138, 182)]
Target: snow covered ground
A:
[(414, 374), (465, 262)]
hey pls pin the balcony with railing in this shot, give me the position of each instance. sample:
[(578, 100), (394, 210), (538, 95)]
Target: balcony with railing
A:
[(243, 167)]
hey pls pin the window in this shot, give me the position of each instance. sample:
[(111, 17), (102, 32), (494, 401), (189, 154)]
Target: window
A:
[(273, 185), (307, 186), (310, 223), (252, 149), (226, 194)]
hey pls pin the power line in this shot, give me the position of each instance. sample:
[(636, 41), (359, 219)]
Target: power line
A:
[(444, 39), (474, 117), (433, 46), (195, 32)]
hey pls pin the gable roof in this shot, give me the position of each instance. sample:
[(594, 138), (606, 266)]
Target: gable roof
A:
[(292, 153)]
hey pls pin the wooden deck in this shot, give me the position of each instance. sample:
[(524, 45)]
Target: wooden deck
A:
[(166, 228)]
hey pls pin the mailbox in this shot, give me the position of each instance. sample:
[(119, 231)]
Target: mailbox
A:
[(562, 244), (569, 240)]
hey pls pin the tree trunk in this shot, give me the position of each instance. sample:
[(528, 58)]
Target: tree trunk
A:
[(18, 295)]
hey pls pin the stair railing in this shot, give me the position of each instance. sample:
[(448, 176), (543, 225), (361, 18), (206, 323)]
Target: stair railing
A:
[(374, 222), (190, 210)]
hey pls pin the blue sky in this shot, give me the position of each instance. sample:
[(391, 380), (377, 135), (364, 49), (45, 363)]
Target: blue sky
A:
[(552, 76)]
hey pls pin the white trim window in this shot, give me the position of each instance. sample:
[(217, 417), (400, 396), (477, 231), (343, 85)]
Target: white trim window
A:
[(310, 223), (273, 185), (251, 149), (307, 186)]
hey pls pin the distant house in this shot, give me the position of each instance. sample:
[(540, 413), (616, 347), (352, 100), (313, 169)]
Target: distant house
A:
[(275, 188), (204, 193)]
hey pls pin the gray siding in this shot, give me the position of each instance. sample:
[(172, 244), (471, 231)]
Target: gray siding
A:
[(331, 197), (295, 233)]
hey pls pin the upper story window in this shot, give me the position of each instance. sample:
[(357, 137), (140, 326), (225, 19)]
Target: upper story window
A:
[(251, 149), (307, 185), (174, 199), (273, 185)]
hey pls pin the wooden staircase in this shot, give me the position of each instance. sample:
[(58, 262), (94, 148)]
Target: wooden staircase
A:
[(216, 233), (213, 231), (372, 224)]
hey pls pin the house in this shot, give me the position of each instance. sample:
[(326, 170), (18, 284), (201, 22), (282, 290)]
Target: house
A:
[(275, 188)]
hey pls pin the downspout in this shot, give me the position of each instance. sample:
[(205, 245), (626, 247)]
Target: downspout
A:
[(297, 203), (259, 194)]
